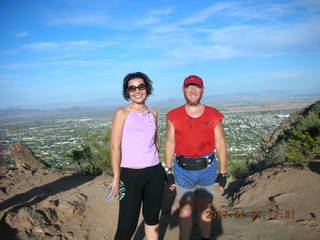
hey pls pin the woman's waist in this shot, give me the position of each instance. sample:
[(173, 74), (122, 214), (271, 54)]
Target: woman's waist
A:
[(139, 162), (138, 166)]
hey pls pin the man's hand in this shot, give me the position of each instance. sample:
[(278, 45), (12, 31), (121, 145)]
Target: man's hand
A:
[(170, 181), (221, 180)]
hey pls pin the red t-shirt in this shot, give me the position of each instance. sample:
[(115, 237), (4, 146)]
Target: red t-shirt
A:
[(194, 137)]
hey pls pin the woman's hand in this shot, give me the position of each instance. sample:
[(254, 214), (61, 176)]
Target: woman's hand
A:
[(114, 187)]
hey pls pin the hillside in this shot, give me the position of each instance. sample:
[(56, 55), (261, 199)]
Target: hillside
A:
[(296, 142)]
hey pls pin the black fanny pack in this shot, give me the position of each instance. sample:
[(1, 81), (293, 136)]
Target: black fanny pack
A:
[(194, 163)]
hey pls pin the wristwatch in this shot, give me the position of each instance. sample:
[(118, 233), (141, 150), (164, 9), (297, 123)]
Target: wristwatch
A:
[(224, 174), (167, 169)]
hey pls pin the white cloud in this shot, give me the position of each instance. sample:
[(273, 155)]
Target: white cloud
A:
[(69, 46), (159, 12), (311, 5), (197, 38), (90, 19), (258, 40), (206, 13), (292, 74), (150, 20), (21, 66), (22, 34), (85, 44), (182, 42), (154, 17), (36, 47)]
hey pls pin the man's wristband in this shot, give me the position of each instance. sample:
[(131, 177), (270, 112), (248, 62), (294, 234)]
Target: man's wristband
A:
[(224, 174), (170, 179), (222, 179)]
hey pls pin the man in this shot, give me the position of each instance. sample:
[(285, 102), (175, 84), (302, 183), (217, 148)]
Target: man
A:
[(194, 131)]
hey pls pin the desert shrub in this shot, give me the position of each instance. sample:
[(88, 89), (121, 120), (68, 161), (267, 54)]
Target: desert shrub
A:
[(238, 169), (93, 156), (310, 124), (301, 148), (277, 154)]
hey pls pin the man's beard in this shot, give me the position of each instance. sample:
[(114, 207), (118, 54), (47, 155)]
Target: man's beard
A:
[(193, 103)]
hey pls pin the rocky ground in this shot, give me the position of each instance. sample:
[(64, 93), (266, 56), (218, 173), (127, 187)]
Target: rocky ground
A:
[(43, 203)]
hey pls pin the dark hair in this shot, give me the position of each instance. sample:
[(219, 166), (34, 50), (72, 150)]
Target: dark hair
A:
[(131, 76)]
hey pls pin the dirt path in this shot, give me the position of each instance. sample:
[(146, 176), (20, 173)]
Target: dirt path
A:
[(98, 219), (246, 225)]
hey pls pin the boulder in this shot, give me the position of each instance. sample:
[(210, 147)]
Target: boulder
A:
[(34, 221), (24, 157)]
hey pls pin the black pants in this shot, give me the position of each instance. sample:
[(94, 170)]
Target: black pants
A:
[(140, 185)]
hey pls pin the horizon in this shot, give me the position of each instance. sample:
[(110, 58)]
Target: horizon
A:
[(224, 101), (79, 51)]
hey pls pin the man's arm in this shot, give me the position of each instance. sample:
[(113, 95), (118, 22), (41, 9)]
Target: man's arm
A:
[(221, 148), (220, 145), (169, 154)]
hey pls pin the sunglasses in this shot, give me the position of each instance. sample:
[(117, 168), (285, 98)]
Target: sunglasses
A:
[(140, 87)]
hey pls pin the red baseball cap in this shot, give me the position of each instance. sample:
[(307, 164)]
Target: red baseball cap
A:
[(193, 79)]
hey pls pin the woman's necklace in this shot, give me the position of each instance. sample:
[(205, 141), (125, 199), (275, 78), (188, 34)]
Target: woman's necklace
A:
[(141, 110)]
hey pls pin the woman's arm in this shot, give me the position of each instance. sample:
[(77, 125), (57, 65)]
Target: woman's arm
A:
[(170, 144), (156, 139), (116, 135)]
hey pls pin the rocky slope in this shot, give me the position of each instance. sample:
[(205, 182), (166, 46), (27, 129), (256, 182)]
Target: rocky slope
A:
[(295, 142), (31, 206)]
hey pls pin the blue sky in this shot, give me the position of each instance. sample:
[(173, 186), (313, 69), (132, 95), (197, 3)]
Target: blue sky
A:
[(79, 50)]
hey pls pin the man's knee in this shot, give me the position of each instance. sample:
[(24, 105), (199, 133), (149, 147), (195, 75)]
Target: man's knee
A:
[(186, 210), (204, 208)]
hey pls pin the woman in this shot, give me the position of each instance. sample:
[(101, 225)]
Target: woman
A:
[(138, 174)]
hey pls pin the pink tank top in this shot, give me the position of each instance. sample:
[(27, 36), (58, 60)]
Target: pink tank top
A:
[(138, 148)]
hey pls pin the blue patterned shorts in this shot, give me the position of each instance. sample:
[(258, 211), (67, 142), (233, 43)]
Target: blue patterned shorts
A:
[(191, 178)]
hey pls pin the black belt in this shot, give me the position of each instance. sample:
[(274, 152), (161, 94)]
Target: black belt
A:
[(194, 163)]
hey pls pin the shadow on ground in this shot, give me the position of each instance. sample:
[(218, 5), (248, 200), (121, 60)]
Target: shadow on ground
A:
[(233, 193), (36, 195), (169, 220), (314, 166)]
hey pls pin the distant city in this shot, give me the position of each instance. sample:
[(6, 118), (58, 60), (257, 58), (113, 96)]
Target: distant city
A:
[(52, 134), (52, 139)]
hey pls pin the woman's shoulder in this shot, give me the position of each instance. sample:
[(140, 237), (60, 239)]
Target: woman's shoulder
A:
[(122, 112), (154, 112)]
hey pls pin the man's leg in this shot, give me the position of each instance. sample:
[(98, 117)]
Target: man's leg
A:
[(203, 218), (185, 218), (185, 186), (204, 197)]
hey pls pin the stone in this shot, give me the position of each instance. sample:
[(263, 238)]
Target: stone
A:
[(69, 235), (24, 157), (35, 221)]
